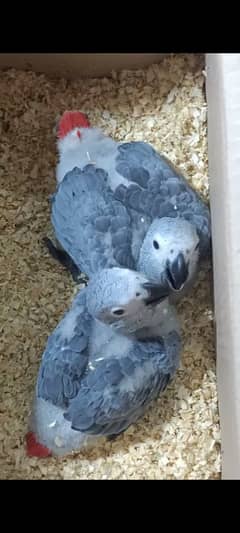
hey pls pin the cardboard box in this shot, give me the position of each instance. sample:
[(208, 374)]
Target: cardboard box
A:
[(223, 97)]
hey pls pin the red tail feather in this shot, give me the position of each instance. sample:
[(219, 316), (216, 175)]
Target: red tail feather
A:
[(71, 120), (34, 448)]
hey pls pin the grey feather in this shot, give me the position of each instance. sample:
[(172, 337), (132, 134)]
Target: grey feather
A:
[(137, 166), (100, 371), (66, 355), (94, 229), (110, 213), (129, 385), (161, 179)]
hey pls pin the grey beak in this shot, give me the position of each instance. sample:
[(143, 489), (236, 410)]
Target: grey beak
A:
[(177, 272), (156, 293)]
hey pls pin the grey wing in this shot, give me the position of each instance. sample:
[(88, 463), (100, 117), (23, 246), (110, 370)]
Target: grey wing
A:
[(91, 227), (156, 189), (66, 355), (116, 393)]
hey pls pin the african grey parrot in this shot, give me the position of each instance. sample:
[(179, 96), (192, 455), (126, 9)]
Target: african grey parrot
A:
[(114, 352), (98, 231), (145, 187)]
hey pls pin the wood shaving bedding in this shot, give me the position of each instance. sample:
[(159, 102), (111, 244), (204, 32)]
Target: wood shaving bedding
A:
[(165, 105)]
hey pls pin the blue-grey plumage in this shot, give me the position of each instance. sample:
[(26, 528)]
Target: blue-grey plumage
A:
[(98, 231), (148, 187), (112, 354), (138, 175)]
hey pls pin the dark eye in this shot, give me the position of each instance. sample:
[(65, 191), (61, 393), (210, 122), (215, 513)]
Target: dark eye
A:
[(118, 312), (156, 245), (138, 294)]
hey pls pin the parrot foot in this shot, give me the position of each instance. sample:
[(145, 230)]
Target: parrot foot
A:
[(64, 259), (112, 437)]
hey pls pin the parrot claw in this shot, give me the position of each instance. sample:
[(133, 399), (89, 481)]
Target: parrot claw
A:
[(114, 437), (64, 259)]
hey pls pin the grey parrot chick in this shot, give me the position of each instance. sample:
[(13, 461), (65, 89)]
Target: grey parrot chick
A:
[(97, 231), (111, 355), (100, 227)]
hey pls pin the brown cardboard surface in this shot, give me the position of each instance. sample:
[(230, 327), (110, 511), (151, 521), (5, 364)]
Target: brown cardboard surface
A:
[(75, 65)]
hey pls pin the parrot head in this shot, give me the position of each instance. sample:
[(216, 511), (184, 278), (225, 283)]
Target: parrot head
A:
[(123, 298), (170, 252)]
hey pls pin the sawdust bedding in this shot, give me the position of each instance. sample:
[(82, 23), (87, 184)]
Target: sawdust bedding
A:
[(164, 105)]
